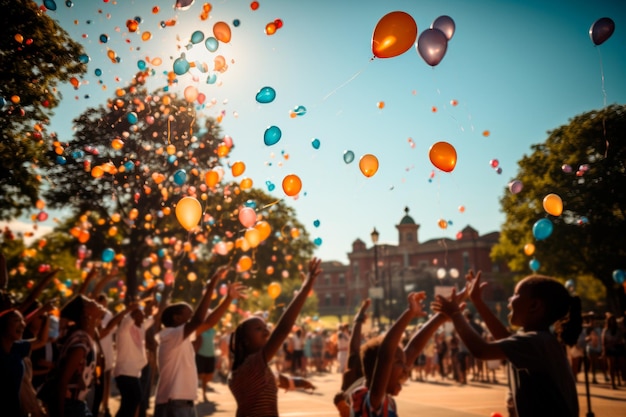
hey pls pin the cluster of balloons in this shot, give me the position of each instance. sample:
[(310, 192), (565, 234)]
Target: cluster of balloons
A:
[(396, 32), (495, 164), (432, 43)]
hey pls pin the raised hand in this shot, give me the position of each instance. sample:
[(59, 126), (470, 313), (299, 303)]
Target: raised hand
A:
[(314, 269), (415, 304), (447, 306), (475, 286), (237, 290), (362, 315)]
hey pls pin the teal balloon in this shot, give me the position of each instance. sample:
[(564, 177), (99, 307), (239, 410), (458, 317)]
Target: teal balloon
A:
[(534, 265), (236, 23), (104, 38), (316, 223), (129, 165), (197, 36), (211, 79), (542, 229), (315, 143), (180, 177), (318, 241), (98, 72), (141, 64), (348, 157), (50, 4), (266, 95), (132, 117), (272, 135), (171, 159), (181, 66), (84, 58), (211, 44), (619, 276), (107, 255), (270, 185), (250, 203), (300, 111)]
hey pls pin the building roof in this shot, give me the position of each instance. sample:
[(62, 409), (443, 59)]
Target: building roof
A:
[(407, 219)]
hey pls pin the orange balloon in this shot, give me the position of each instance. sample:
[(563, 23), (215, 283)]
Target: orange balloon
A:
[(393, 35), (188, 212), (264, 229), (238, 168), (529, 249), (253, 236), (245, 184), (273, 290), (443, 156), (221, 31), (553, 204), (244, 264), (368, 165), (292, 185)]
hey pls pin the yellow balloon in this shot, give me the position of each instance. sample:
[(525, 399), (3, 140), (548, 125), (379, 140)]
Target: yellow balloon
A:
[(529, 249), (273, 290), (188, 212), (553, 204), (253, 236), (368, 165)]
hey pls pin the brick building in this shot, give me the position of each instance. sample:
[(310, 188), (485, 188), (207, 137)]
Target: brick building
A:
[(387, 273)]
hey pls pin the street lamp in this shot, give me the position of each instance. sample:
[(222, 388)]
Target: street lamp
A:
[(374, 236)]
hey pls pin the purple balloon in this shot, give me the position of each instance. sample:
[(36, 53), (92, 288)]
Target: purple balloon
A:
[(601, 30), (516, 186), (183, 4), (432, 45), (444, 24)]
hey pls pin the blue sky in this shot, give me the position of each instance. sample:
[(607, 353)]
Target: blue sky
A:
[(516, 69)]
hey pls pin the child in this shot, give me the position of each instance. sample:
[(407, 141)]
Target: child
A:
[(178, 377), (543, 383), (386, 365), (252, 382)]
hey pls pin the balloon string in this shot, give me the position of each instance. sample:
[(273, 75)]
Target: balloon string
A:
[(271, 204), (606, 141), (169, 142), (347, 82)]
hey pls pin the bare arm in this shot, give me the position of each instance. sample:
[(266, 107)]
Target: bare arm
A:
[(90, 276), (478, 346), (102, 282), (36, 291), (387, 350), (116, 320), (200, 312), (495, 326), (288, 318), (235, 291)]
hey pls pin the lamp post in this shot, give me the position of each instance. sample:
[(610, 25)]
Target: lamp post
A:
[(374, 236)]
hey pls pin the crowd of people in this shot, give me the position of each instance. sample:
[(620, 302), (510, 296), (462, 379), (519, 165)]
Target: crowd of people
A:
[(65, 360)]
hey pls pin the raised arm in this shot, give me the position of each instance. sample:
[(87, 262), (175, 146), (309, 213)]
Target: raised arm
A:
[(117, 319), (353, 371), (235, 291), (475, 288), (288, 318), (37, 290), (90, 276), (102, 282), (387, 350), (202, 308), (478, 346)]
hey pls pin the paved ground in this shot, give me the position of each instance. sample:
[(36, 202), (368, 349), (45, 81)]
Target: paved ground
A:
[(432, 398)]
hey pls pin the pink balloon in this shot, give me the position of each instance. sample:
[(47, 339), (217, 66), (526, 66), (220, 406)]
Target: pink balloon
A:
[(247, 217)]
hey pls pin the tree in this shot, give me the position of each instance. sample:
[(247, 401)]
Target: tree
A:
[(584, 163), (123, 174), (36, 54)]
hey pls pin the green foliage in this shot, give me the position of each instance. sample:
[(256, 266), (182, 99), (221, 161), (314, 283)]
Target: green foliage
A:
[(36, 54), (130, 162), (589, 237)]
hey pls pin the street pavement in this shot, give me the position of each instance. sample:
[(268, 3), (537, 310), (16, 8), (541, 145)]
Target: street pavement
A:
[(433, 398)]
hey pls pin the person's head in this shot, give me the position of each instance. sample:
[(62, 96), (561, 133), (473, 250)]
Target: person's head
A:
[(369, 357), (12, 325), (103, 300), (176, 314), (249, 337), (540, 301), (138, 316), (83, 311)]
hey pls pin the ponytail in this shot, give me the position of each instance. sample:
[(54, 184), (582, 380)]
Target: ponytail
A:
[(570, 327)]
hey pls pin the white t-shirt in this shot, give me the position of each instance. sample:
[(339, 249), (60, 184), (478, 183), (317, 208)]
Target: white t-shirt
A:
[(106, 343), (131, 349), (178, 376)]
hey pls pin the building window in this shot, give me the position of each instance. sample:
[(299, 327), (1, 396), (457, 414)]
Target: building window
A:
[(327, 300), (342, 300), (342, 279), (326, 279)]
